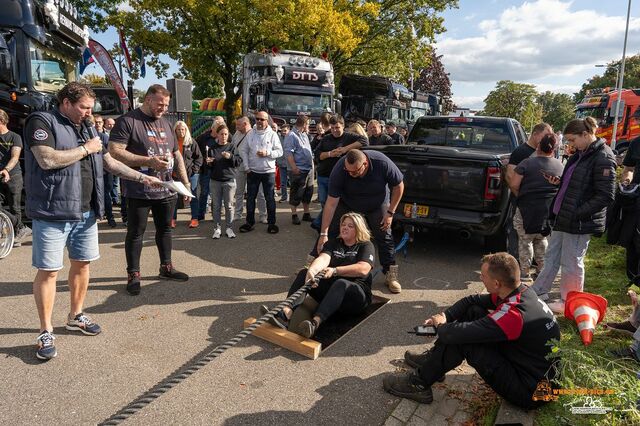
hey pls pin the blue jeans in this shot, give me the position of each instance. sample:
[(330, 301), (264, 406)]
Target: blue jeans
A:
[(566, 251), (283, 183), (203, 183), (268, 181), (50, 237), (323, 192), (194, 201)]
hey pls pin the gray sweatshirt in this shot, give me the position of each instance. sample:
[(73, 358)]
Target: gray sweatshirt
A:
[(258, 140)]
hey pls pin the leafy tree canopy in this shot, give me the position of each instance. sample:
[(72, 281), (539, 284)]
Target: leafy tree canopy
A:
[(608, 78), (557, 109), (208, 38)]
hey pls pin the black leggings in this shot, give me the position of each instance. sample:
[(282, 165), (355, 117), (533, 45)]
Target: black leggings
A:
[(138, 213), (333, 295)]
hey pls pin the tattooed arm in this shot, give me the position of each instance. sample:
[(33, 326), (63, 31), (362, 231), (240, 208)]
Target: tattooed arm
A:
[(119, 169), (49, 158)]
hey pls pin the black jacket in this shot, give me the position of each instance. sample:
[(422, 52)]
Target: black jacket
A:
[(590, 191), (205, 141), (192, 158)]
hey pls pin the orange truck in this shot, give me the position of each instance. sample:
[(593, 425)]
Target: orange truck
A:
[(600, 104)]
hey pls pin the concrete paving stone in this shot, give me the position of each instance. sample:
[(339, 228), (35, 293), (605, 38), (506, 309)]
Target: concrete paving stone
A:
[(405, 409), (438, 420), (448, 407), (510, 414), (439, 394), (426, 411), (392, 421), (417, 421)]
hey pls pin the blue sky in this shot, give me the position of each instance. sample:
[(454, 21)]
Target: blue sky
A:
[(553, 44)]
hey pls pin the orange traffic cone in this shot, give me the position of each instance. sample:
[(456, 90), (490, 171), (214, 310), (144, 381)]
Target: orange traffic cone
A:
[(586, 310)]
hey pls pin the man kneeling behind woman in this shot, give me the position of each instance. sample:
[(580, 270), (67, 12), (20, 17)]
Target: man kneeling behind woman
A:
[(346, 284)]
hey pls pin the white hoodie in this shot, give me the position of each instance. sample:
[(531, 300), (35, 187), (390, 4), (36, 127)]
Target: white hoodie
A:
[(258, 140)]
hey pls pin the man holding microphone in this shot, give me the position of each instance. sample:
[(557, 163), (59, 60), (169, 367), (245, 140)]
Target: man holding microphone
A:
[(64, 165)]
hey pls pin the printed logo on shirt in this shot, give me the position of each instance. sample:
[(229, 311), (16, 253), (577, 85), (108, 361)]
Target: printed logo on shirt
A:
[(40, 135), (371, 257)]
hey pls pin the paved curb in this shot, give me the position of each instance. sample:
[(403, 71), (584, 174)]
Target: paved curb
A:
[(509, 414)]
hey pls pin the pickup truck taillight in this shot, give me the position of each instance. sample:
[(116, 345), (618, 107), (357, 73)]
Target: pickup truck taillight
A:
[(492, 184)]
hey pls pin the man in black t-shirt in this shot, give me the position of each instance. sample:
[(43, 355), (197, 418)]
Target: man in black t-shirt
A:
[(327, 153), (391, 130), (525, 150), (369, 183), (144, 140), (11, 176), (631, 176)]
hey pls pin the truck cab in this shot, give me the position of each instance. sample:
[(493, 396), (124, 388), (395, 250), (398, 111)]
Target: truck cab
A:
[(287, 84), (601, 103), (40, 45), (375, 97)]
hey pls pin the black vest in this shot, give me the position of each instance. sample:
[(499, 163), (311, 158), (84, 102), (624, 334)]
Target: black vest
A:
[(57, 194)]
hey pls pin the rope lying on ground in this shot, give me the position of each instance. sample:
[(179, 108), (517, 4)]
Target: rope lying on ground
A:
[(175, 378)]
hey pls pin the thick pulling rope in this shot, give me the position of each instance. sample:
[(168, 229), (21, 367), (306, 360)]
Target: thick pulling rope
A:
[(175, 378)]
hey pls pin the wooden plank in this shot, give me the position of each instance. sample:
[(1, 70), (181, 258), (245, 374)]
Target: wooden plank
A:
[(294, 342)]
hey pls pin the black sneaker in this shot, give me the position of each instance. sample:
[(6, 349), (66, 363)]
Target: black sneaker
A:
[(273, 229), (280, 320), (246, 228), (167, 271), (408, 386), (84, 324), (307, 217), (133, 283), (307, 328), (295, 219), (46, 348), (112, 223)]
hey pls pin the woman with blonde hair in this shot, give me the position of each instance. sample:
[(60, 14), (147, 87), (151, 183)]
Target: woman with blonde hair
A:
[(579, 209), (346, 285), (192, 163), (357, 129)]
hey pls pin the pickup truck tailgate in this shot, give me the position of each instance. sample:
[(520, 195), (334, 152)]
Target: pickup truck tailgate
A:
[(434, 176)]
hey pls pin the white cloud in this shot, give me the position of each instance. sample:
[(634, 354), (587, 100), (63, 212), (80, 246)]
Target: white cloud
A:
[(537, 40), (473, 102)]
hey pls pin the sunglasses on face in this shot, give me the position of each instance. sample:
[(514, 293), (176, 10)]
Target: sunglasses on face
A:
[(261, 119)]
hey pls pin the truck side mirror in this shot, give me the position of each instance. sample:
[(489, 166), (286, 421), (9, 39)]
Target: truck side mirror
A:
[(337, 106)]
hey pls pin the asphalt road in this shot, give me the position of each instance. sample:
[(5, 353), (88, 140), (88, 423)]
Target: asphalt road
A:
[(148, 337)]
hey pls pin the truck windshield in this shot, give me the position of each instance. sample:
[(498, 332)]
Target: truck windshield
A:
[(462, 132), (417, 113), (597, 113), (294, 103), (50, 70)]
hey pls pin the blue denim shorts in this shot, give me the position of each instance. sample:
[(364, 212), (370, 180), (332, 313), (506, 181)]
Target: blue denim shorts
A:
[(51, 237)]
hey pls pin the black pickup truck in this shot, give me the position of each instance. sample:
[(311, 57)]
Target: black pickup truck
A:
[(454, 171)]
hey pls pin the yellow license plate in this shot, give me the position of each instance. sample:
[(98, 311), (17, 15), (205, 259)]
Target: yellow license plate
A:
[(421, 210)]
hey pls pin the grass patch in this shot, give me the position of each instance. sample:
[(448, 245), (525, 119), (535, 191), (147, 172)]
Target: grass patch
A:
[(592, 367)]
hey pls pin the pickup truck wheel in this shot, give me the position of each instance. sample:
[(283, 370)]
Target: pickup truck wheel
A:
[(496, 242)]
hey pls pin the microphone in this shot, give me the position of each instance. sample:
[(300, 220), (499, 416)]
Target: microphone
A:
[(91, 130)]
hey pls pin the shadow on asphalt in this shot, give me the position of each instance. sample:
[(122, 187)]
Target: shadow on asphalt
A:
[(338, 393)]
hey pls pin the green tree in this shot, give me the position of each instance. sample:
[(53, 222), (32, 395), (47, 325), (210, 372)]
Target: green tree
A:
[(514, 100), (209, 38), (434, 79), (608, 78), (557, 108)]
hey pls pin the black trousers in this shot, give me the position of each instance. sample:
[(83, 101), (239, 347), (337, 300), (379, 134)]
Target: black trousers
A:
[(383, 239), (138, 213), (633, 258), (333, 295), (108, 203), (11, 192), (487, 360)]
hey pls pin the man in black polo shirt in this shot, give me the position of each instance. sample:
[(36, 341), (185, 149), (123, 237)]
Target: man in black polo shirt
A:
[(504, 335), (370, 184)]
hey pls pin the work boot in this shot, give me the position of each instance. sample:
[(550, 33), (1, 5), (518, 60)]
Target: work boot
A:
[(408, 386), (391, 279)]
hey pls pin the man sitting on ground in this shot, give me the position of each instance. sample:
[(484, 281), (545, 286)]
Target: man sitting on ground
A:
[(504, 335)]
